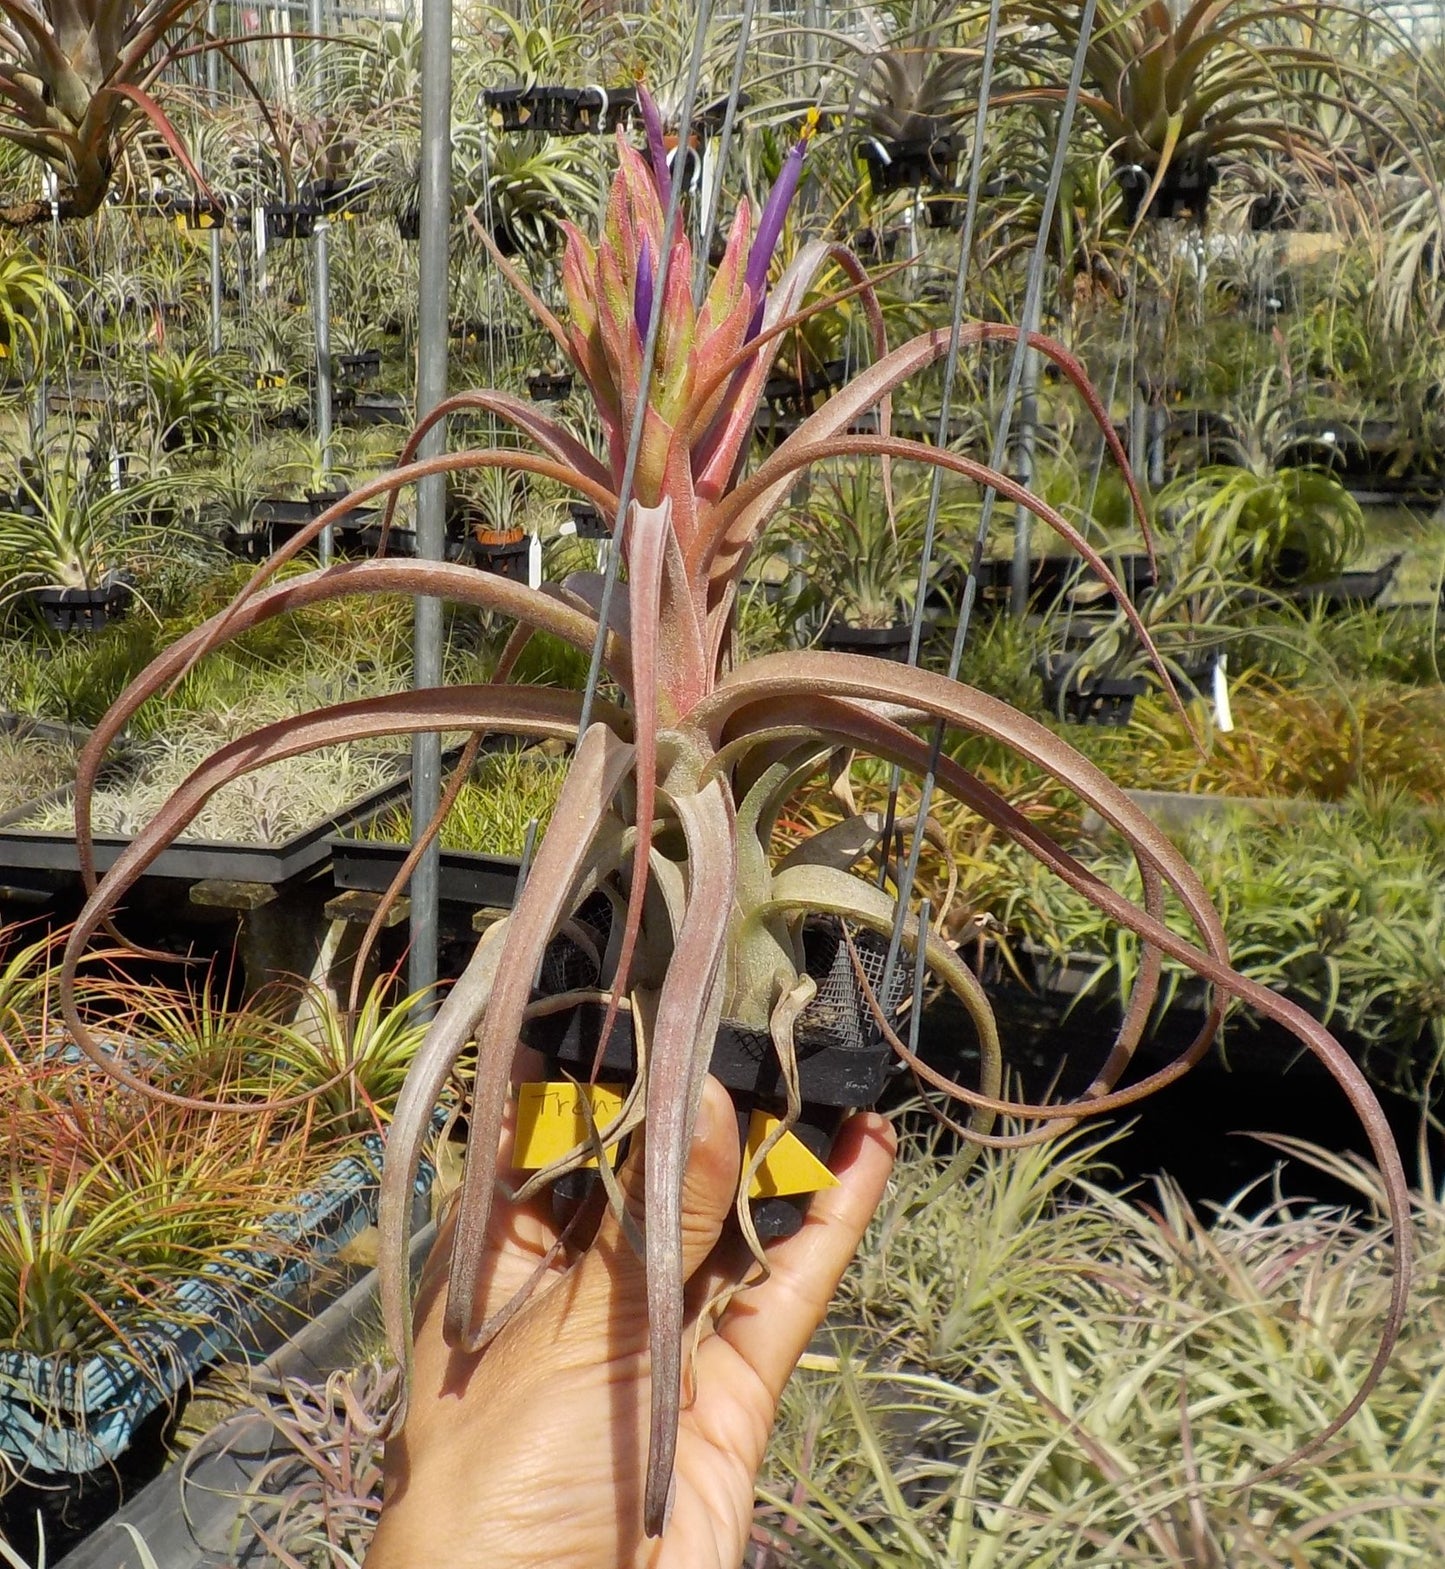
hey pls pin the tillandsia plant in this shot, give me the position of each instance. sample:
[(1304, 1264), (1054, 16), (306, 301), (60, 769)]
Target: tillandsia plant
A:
[(1178, 84), (76, 83), (669, 802)]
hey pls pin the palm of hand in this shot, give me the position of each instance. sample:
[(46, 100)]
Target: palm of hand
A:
[(535, 1450)]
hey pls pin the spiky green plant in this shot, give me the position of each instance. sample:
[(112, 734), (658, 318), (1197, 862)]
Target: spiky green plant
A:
[(1176, 85), (31, 303), (861, 547), (507, 793), (78, 525), (111, 1202)]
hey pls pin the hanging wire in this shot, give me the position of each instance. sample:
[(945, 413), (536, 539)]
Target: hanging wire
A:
[(1096, 470), (649, 354), (950, 373), (1033, 294), (725, 143)]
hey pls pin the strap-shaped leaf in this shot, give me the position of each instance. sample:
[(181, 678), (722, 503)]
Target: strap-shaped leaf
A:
[(457, 584), (688, 1009), (599, 766)]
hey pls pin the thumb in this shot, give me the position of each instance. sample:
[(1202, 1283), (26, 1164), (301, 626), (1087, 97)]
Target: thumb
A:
[(709, 1186), (710, 1182)]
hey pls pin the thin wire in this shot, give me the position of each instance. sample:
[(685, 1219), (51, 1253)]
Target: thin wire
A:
[(725, 144), (950, 373), (1033, 294), (649, 353), (920, 971)]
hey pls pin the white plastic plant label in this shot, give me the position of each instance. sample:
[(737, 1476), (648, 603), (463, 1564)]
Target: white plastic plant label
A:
[(1223, 717), (534, 562)]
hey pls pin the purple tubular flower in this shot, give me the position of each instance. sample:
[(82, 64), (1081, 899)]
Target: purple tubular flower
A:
[(656, 149), (770, 225), (642, 292)]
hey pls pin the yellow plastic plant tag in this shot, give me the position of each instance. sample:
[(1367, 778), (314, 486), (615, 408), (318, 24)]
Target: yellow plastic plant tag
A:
[(789, 1167), (551, 1122)]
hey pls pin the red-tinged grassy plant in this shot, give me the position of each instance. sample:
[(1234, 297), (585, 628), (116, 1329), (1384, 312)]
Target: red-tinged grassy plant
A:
[(670, 802), (109, 1200)]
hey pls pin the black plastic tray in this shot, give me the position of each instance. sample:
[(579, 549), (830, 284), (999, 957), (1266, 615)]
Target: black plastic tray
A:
[(467, 876), (27, 850)]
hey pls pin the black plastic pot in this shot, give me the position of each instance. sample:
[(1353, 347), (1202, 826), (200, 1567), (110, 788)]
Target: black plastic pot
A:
[(399, 541), (1195, 674), (559, 111), (505, 560), (1184, 192), (281, 518), (375, 408), (291, 220), (795, 393), (889, 642), (549, 387), (359, 368), (475, 331), (945, 212), (1350, 589), (84, 610), (843, 1061), (587, 521), (1091, 699), (918, 161), (337, 196), (1275, 212)]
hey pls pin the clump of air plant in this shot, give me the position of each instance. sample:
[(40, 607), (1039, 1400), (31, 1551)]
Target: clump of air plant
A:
[(669, 805)]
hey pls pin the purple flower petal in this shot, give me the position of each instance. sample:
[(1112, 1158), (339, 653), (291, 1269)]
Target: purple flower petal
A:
[(656, 148), (770, 225), (642, 291)]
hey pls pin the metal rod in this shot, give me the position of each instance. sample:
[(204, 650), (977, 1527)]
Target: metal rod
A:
[(1025, 452), (321, 314), (431, 389), (216, 293), (213, 92), (316, 21), (920, 974), (321, 295), (945, 420)]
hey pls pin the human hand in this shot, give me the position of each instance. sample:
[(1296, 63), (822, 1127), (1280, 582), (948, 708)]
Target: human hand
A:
[(534, 1451)]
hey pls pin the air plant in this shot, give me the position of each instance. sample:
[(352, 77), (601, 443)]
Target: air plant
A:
[(76, 82), (1175, 86), (914, 84), (71, 524), (669, 804)]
